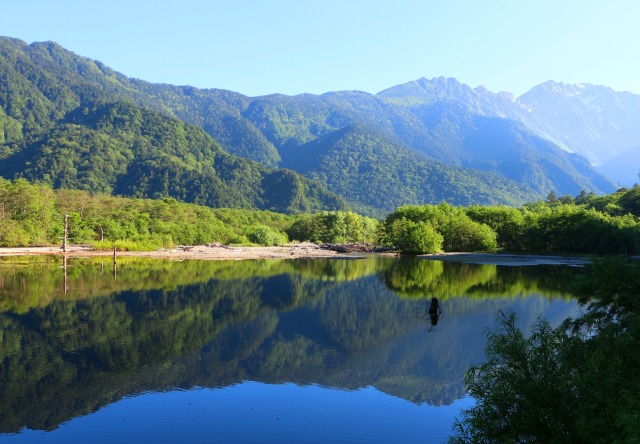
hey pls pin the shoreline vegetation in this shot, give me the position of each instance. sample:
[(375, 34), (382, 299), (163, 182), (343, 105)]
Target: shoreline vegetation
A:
[(577, 382), (36, 215)]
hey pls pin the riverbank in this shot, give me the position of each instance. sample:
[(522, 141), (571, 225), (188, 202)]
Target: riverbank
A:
[(293, 251), (217, 252)]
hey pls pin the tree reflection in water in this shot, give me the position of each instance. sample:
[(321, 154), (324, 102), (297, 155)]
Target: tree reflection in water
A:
[(164, 325)]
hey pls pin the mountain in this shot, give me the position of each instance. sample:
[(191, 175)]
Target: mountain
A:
[(59, 127), (595, 121), (447, 127), (478, 100), (372, 172)]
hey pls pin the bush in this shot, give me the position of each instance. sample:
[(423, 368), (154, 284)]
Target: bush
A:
[(463, 234), (264, 235), (12, 234), (415, 237), (576, 383)]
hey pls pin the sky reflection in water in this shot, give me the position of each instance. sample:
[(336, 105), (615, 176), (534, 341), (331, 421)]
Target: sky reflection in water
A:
[(269, 351)]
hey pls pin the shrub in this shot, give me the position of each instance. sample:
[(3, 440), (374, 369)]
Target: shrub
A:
[(264, 235), (463, 234), (12, 234), (415, 237)]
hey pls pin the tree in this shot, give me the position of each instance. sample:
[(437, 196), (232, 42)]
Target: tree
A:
[(415, 237), (574, 383), (463, 234), (264, 235), (507, 222)]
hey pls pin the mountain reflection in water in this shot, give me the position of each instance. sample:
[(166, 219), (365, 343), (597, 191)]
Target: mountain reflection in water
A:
[(74, 340)]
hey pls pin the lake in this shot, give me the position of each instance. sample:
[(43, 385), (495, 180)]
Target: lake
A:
[(251, 351)]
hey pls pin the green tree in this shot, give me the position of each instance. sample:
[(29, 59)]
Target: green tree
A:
[(463, 234), (415, 237), (264, 235), (507, 222), (12, 234), (556, 385)]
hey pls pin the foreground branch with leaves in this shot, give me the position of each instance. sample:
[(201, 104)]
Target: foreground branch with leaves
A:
[(575, 383)]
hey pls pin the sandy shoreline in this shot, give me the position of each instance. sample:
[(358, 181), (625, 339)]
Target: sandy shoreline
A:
[(293, 251)]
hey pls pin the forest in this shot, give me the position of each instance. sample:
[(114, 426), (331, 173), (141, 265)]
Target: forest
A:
[(586, 224), (33, 214)]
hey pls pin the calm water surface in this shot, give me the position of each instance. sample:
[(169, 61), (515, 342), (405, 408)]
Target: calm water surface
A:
[(250, 351)]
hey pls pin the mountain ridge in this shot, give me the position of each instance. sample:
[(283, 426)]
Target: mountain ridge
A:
[(594, 121), (265, 129)]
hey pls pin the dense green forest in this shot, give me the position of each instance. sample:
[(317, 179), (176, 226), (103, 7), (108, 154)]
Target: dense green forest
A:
[(62, 122), (587, 224), (33, 214), (376, 175), (122, 149)]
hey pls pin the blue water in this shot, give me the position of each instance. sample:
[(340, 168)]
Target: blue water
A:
[(270, 352), (254, 412)]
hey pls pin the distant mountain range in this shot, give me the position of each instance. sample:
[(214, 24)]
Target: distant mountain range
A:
[(594, 121), (73, 122)]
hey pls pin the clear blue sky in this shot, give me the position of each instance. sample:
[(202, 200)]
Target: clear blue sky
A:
[(295, 46)]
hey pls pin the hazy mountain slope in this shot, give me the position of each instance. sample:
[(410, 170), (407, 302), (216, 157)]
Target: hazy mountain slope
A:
[(596, 121), (371, 171), (494, 144), (478, 101)]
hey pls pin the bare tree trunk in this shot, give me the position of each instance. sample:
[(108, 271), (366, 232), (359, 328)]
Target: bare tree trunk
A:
[(64, 236)]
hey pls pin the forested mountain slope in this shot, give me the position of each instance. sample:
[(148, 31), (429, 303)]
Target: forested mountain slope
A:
[(73, 133), (371, 170)]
